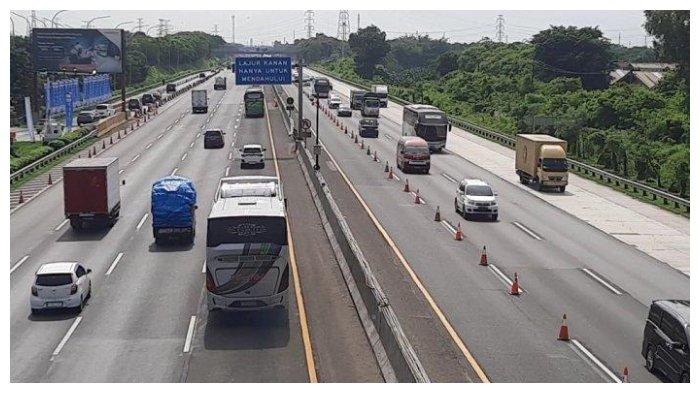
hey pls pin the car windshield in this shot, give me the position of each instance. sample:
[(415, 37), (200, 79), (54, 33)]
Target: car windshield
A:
[(54, 280), (555, 164), (101, 107), (212, 134), (416, 150), (251, 150), (372, 103), (479, 191)]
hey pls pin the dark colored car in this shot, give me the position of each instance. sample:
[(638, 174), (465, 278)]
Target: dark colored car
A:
[(214, 139), (368, 128), (666, 343), (148, 98), (157, 97), (344, 111), (171, 88), (201, 75), (134, 104), (86, 117)]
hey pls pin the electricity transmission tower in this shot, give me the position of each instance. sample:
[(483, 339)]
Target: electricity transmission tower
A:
[(163, 27), (309, 19), (139, 24), (500, 28), (343, 25)]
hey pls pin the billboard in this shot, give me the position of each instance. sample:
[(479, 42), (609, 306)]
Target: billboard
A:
[(263, 70), (78, 50)]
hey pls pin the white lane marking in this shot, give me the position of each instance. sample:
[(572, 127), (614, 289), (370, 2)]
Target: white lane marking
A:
[(173, 172), (389, 137), (448, 226), (227, 169), (159, 136), (450, 178), (145, 216), (198, 134), (64, 222), (192, 144), (600, 280), (136, 157), (66, 337), (204, 266), (230, 155), (148, 146), (396, 177), (526, 230), (190, 332), (502, 276), (121, 171), (170, 127), (114, 263), (19, 263), (595, 360), (183, 157)]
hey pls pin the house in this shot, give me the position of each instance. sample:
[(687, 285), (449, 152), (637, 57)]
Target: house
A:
[(647, 74)]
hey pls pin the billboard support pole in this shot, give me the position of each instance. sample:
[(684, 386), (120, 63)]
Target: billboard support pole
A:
[(123, 76)]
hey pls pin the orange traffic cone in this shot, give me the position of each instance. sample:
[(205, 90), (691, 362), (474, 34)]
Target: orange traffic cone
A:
[(94, 151), (405, 187), (89, 154), (391, 173), (563, 330), (355, 138), (21, 197), (386, 167), (362, 144), (368, 152), (119, 134), (437, 214), (625, 375), (459, 235), (50, 181), (417, 200), (515, 288), (484, 258), (346, 130), (111, 142)]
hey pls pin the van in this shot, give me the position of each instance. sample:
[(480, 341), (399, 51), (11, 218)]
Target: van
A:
[(666, 342), (413, 153)]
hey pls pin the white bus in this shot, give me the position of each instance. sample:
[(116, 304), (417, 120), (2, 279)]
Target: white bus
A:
[(427, 122), (247, 266)]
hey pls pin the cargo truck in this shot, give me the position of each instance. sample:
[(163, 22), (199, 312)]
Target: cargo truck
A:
[(356, 97), (173, 204), (382, 92), (541, 160), (370, 105), (200, 104), (91, 192), (220, 83)]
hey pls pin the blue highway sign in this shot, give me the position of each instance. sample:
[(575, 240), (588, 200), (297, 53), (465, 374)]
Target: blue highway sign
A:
[(263, 70)]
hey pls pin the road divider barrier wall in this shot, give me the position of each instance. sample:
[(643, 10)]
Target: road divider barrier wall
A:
[(399, 352)]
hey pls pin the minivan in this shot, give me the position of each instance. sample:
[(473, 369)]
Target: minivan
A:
[(666, 342), (413, 153)]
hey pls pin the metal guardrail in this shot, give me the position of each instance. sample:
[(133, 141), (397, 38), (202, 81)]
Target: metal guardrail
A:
[(509, 141), (20, 173)]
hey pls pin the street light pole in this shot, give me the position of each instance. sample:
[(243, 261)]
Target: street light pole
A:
[(53, 19), (316, 166), (87, 23), (122, 24)]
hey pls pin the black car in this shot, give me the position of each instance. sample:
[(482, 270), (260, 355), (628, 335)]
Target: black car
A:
[(86, 117), (148, 98), (344, 111), (368, 128), (666, 343), (171, 88), (157, 97), (214, 139), (134, 104), (201, 75)]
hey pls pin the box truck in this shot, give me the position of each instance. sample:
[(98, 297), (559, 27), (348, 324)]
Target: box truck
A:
[(382, 92), (91, 192), (220, 83), (173, 204), (199, 101), (541, 160)]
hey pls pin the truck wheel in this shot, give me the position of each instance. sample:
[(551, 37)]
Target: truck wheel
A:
[(538, 185), (76, 224), (562, 189), (523, 180), (456, 206)]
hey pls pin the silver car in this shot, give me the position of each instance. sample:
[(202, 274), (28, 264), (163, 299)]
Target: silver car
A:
[(60, 285), (476, 198)]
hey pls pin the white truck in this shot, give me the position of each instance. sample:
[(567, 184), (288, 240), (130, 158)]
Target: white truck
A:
[(382, 92), (200, 103)]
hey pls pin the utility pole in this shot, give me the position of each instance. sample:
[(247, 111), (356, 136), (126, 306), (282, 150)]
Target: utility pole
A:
[(309, 19), (358, 21), (216, 29), (139, 24), (233, 29), (33, 19), (499, 28), (343, 25), (619, 38)]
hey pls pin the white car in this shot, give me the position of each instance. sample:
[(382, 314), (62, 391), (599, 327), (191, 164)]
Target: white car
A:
[(60, 285), (252, 155), (334, 101), (476, 198), (104, 110)]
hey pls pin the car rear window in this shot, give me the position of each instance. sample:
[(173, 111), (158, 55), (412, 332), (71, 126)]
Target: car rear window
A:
[(212, 133), (54, 280)]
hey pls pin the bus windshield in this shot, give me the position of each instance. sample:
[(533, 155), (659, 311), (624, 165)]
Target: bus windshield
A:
[(372, 103)]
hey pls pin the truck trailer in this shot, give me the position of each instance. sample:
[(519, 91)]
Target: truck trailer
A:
[(173, 205), (200, 104), (382, 92), (91, 192), (541, 160)]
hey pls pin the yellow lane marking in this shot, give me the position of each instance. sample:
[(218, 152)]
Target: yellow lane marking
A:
[(306, 338), (453, 333)]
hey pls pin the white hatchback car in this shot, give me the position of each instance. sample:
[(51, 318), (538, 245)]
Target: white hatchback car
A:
[(476, 198), (60, 285), (252, 155)]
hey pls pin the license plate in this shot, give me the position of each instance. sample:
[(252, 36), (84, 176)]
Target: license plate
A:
[(416, 163), (54, 304), (248, 303)]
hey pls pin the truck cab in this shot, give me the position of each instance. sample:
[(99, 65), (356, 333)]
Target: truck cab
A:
[(370, 105), (540, 160)]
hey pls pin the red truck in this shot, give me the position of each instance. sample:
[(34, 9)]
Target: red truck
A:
[(91, 191)]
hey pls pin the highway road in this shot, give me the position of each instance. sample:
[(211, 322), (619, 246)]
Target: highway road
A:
[(147, 320), (564, 264)]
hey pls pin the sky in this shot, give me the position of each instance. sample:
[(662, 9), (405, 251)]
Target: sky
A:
[(264, 27)]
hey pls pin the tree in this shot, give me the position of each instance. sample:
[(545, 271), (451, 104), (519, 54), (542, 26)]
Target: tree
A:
[(446, 63), (671, 31), (573, 52), (20, 75), (370, 48)]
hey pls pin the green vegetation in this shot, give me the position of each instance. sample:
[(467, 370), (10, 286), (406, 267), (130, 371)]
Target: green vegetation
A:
[(556, 84), (24, 153)]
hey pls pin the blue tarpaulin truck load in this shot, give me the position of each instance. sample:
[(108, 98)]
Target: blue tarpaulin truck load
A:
[(173, 202)]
